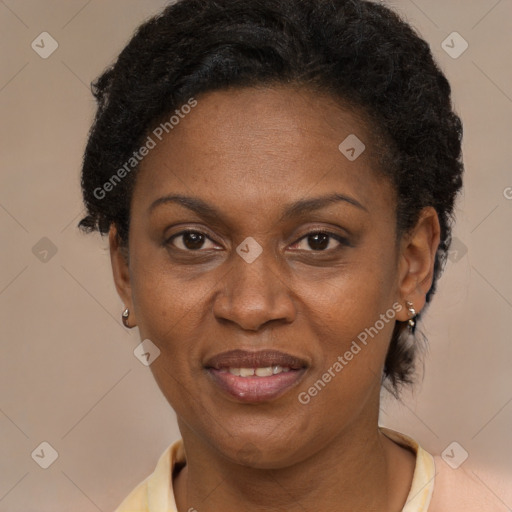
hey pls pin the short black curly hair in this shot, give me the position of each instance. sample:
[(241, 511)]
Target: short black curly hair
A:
[(360, 52)]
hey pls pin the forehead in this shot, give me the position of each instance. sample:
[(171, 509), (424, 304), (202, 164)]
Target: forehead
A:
[(262, 146)]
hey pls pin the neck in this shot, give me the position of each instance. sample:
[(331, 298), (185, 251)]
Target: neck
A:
[(357, 471)]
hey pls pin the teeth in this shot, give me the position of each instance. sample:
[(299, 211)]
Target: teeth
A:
[(264, 372), (258, 372)]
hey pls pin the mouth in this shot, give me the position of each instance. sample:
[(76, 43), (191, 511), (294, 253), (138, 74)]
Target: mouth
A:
[(255, 377)]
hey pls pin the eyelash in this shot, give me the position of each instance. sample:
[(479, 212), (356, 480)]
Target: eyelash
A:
[(340, 239)]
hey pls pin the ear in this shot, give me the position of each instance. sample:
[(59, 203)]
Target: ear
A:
[(121, 271), (416, 261)]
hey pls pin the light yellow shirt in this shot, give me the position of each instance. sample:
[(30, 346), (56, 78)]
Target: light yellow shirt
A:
[(435, 486)]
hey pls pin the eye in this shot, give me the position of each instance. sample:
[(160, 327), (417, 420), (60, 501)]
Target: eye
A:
[(191, 241), (320, 241)]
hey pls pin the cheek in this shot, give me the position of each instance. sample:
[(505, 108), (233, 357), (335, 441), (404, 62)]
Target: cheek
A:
[(164, 315), (352, 316), (165, 301), (168, 312), (347, 300), (353, 341)]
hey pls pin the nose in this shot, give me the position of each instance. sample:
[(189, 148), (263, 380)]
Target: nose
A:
[(254, 295)]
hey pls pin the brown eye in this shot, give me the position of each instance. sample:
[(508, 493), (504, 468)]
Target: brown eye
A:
[(319, 241), (190, 241)]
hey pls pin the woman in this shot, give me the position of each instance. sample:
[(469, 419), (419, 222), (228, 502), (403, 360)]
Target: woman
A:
[(277, 180)]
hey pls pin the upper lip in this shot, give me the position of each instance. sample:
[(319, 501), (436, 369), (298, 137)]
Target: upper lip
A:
[(259, 359)]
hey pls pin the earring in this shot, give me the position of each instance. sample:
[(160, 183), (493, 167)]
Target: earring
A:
[(124, 318), (412, 313)]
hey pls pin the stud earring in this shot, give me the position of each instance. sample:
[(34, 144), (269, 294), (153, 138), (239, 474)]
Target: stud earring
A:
[(124, 318), (412, 313)]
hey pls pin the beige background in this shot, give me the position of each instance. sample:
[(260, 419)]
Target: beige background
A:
[(68, 375)]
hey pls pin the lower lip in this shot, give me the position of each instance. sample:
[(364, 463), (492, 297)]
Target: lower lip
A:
[(256, 389)]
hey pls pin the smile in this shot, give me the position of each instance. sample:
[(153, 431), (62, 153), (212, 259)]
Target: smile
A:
[(258, 372), (255, 377)]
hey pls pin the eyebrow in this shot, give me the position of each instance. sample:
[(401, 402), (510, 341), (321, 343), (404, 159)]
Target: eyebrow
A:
[(205, 210)]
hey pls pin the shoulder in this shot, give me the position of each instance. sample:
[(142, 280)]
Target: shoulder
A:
[(137, 500), (155, 493), (436, 487), (460, 489)]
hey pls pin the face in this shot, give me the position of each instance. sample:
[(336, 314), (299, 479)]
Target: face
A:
[(260, 258)]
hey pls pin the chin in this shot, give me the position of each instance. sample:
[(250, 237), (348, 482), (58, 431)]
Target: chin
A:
[(260, 452)]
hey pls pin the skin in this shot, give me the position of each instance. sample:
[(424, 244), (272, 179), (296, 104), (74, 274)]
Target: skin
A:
[(249, 153)]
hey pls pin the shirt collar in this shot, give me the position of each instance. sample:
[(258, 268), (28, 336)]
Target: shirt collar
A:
[(422, 486)]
